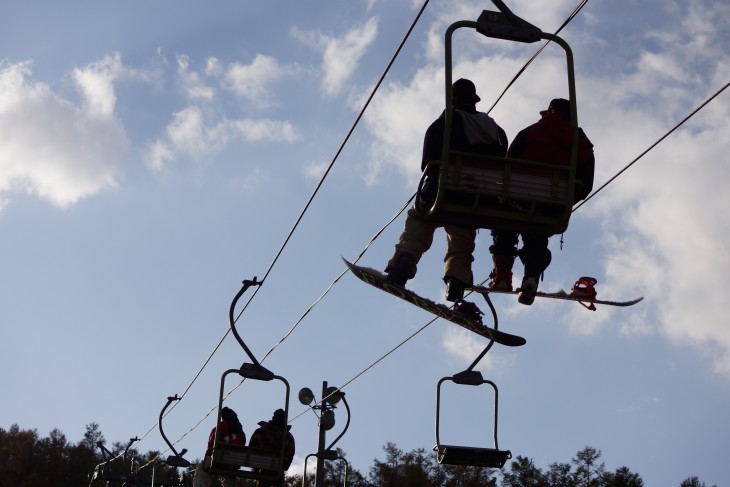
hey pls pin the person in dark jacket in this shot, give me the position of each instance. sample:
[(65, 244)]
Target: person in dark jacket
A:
[(270, 435), (549, 140), (473, 132)]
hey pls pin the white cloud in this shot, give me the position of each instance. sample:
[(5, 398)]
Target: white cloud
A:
[(193, 85), (96, 82), (201, 130), (666, 232), (213, 67), (159, 154), (341, 55), (398, 118), (297, 466), (193, 134), (548, 15), (52, 148), (256, 130), (466, 347), (253, 81), (315, 170), (678, 236), (186, 132)]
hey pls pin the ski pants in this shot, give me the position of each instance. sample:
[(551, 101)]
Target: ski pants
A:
[(534, 253), (417, 238)]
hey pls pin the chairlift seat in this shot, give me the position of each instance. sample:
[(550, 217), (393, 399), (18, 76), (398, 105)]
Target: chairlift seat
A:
[(227, 457), (471, 456), (501, 193)]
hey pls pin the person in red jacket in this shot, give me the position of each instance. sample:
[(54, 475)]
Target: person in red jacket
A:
[(230, 431), (549, 140), (270, 435)]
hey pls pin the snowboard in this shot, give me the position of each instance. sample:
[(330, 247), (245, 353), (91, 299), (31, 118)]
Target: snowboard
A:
[(378, 279), (586, 302)]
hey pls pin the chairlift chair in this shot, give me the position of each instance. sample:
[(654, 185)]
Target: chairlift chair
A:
[(468, 455), (258, 463), (498, 192)]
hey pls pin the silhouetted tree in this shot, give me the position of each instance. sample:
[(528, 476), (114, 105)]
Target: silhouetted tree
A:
[(18, 456), (524, 473), (92, 436), (623, 477), (588, 471), (420, 469), (400, 469), (560, 475), (27, 460), (693, 482)]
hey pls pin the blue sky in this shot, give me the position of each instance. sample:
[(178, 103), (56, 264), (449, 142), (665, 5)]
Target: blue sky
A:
[(153, 155)]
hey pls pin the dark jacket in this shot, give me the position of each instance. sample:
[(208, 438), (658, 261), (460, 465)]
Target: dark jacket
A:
[(270, 435), (471, 131), (549, 140), (491, 140)]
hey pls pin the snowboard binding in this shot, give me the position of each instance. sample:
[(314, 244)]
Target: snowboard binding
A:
[(584, 288), (469, 309)]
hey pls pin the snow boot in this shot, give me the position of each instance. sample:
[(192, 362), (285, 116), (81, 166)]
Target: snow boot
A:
[(528, 290), (454, 289), (501, 276), (400, 269)]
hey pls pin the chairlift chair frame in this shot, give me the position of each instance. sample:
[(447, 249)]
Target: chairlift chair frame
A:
[(502, 192), (102, 470), (266, 465), (467, 455), (330, 455)]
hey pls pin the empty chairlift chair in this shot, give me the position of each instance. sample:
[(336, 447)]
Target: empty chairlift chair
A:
[(491, 457)]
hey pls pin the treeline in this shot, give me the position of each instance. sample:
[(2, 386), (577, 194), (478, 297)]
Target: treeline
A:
[(419, 468), (29, 460)]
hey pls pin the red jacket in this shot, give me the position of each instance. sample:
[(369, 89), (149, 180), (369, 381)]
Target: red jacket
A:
[(549, 140), (224, 436)]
